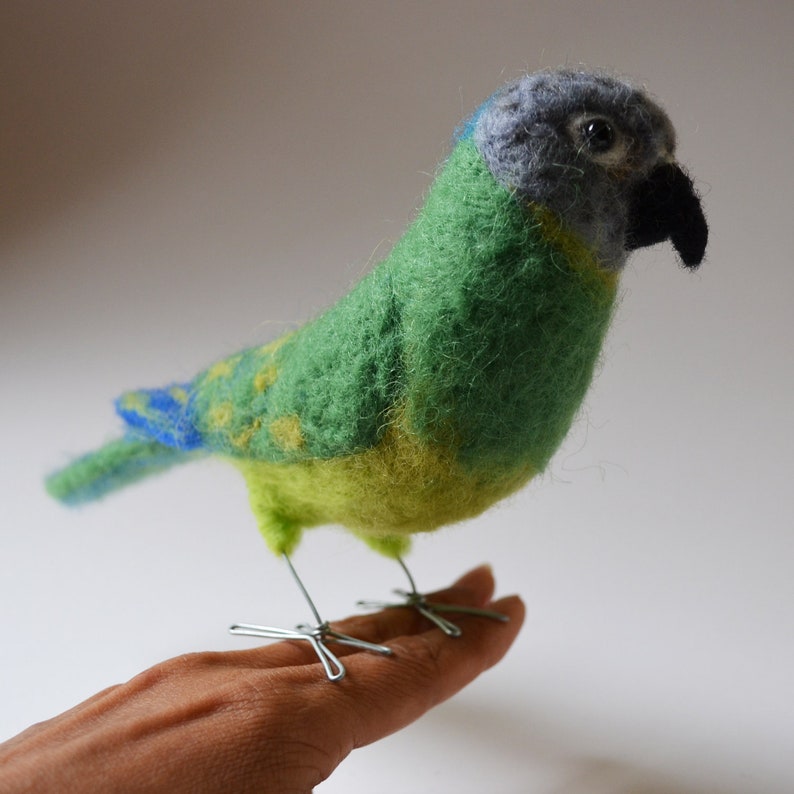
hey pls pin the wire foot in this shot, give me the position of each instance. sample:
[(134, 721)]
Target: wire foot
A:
[(412, 598), (317, 635)]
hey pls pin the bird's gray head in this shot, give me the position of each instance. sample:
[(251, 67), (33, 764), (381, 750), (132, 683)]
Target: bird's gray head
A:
[(597, 151)]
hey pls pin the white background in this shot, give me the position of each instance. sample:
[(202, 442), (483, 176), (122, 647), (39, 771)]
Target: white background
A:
[(180, 180)]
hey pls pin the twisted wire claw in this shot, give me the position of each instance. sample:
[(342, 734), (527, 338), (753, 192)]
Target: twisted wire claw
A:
[(432, 610), (316, 636)]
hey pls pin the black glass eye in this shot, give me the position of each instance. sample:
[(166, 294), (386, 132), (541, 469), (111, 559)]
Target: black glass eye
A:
[(598, 135)]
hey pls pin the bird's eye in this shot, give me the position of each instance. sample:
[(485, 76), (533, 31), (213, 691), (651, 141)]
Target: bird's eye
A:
[(599, 139), (597, 135)]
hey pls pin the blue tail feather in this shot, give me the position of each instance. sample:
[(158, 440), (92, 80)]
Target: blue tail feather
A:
[(162, 415)]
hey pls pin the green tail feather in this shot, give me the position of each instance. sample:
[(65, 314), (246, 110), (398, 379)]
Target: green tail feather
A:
[(112, 466)]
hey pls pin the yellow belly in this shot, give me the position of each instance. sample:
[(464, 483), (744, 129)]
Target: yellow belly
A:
[(384, 494)]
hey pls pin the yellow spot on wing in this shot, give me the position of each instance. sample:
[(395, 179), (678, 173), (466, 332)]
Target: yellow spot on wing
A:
[(271, 347), (242, 440), (219, 370), (134, 401), (179, 394), (286, 432), (221, 415), (265, 378)]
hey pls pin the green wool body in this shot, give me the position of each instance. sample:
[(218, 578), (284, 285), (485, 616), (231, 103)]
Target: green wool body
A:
[(449, 375), (462, 337)]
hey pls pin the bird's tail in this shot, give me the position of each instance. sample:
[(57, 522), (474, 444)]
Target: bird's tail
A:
[(112, 466)]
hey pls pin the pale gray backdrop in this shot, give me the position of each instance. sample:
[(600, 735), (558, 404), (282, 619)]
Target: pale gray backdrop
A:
[(182, 179)]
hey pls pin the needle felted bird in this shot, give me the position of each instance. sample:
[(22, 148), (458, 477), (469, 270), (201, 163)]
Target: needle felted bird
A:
[(449, 375)]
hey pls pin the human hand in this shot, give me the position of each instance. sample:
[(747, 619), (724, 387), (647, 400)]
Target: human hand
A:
[(264, 719)]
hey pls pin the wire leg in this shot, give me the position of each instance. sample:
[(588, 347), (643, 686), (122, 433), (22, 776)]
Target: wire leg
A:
[(431, 611), (303, 589), (316, 635)]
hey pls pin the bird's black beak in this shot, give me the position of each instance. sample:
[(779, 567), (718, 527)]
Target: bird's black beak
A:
[(663, 206)]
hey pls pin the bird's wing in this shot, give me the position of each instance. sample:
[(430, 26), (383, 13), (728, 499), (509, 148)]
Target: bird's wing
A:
[(161, 415), (320, 392)]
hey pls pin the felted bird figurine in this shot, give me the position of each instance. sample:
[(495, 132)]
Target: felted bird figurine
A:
[(449, 375)]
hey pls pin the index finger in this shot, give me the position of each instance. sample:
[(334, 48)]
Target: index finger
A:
[(381, 695)]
